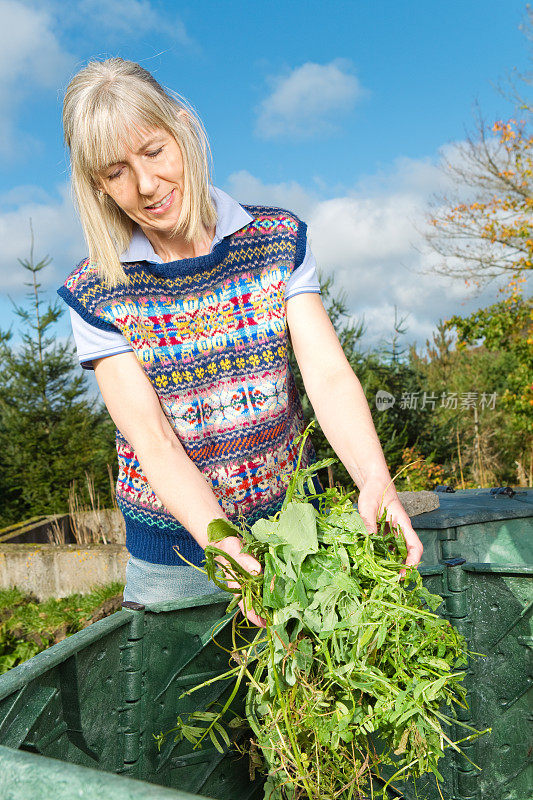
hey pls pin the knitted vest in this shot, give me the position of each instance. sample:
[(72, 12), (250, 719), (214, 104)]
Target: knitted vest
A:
[(211, 335)]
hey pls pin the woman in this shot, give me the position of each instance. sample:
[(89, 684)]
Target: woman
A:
[(184, 309)]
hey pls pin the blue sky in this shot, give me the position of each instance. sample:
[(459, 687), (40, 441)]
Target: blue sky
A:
[(340, 111)]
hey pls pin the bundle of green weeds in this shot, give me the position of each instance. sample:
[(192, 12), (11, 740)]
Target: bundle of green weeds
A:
[(354, 668)]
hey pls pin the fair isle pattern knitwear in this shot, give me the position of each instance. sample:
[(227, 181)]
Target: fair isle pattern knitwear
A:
[(210, 333)]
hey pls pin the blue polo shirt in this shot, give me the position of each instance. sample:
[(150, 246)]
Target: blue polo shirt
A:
[(92, 343)]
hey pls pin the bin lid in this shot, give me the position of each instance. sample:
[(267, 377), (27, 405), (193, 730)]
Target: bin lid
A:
[(470, 506)]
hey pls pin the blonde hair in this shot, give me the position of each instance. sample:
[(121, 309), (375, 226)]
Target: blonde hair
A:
[(105, 104)]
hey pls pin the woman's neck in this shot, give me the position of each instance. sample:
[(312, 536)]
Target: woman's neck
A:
[(174, 248)]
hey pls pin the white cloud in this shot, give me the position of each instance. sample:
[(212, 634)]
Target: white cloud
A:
[(248, 189), (309, 101), (420, 177), (31, 57), (34, 59), (57, 233), (131, 18), (371, 240), (360, 231), (29, 48)]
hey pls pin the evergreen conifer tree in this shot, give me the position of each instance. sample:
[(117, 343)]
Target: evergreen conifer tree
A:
[(51, 430)]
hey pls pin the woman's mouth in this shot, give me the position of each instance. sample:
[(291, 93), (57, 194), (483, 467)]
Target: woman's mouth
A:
[(162, 205)]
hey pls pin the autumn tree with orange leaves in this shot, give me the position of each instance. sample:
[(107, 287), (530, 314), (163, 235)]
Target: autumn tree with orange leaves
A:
[(490, 237)]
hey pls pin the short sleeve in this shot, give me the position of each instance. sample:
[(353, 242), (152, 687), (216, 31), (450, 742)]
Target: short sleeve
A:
[(92, 342), (304, 278)]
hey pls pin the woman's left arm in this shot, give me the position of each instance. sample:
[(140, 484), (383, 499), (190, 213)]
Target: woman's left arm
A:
[(342, 411)]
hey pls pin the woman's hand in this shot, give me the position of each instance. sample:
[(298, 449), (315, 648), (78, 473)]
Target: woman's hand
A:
[(232, 545), (370, 505)]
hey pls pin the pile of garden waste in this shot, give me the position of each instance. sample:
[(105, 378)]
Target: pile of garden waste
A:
[(354, 671)]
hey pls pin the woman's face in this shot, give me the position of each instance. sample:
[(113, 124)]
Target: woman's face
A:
[(148, 184)]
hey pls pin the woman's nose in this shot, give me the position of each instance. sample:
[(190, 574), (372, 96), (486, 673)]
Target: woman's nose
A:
[(146, 181)]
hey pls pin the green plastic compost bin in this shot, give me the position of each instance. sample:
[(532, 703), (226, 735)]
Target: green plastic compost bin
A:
[(78, 720), (478, 554)]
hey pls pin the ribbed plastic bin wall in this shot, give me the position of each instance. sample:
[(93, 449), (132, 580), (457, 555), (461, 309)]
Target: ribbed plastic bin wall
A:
[(96, 699), (490, 604), (489, 598), (89, 706)]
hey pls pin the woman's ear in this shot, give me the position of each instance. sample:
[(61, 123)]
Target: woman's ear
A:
[(98, 188)]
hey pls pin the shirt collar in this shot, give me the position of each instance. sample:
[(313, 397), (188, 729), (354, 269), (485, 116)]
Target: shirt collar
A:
[(231, 217)]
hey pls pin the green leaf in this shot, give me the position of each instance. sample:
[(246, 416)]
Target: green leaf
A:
[(433, 690), (215, 741), (317, 570), (274, 583), (313, 620), (433, 601), (296, 593), (382, 634), (304, 655), (439, 664), (264, 530), (219, 529), (222, 733), (203, 716), (297, 527), (366, 635)]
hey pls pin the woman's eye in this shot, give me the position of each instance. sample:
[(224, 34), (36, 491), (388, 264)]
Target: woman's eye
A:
[(154, 153), (114, 175)]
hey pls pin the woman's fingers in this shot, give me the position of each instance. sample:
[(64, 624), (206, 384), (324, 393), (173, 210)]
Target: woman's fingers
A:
[(232, 545), (397, 517), (249, 563), (414, 550), (251, 616)]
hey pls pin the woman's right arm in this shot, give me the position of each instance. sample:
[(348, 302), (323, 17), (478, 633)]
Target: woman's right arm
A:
[(135, 409)]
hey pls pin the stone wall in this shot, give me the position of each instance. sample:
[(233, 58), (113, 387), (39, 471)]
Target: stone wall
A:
[(51, 570)]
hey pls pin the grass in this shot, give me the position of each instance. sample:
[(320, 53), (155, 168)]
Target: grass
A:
[(28, 626)]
